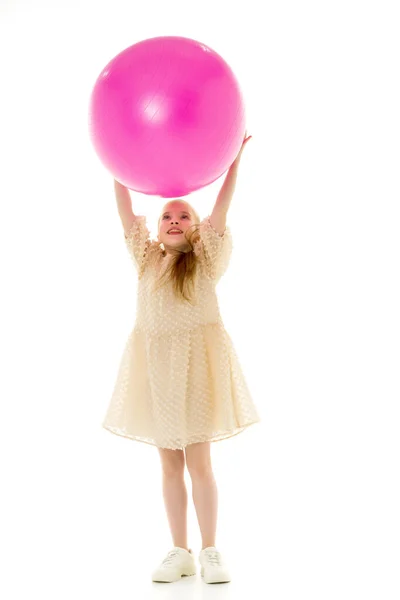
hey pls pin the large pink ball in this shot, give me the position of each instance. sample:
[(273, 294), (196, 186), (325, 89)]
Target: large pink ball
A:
[(167, 116)]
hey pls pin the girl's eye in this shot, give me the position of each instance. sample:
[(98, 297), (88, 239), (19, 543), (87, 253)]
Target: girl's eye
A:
[(183, 217)]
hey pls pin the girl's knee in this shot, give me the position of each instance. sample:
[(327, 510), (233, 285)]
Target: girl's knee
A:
[(172, 462), (200, 469), (198, 460)]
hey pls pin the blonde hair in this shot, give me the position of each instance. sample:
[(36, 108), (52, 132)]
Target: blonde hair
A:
[(183, 265)]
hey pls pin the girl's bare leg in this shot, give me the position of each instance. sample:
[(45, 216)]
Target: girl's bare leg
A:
[(175, 494), (204, 490)]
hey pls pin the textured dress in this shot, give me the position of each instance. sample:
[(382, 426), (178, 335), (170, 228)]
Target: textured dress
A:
[(179, 380)]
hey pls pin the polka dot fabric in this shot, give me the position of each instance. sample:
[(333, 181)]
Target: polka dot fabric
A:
[(179, 380)]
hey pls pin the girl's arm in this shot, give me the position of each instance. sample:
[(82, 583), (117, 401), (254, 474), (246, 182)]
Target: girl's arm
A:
[(220, 210), (124, 204)]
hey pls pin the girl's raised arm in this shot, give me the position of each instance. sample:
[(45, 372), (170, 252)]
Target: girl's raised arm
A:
[(124, 204), (222, 204)]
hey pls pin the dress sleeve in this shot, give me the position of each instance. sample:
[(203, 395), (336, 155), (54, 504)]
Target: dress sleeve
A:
[(138, 242), (216, 249)]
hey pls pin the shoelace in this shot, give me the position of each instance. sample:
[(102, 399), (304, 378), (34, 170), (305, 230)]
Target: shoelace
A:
[(170, 557), (213, 557)]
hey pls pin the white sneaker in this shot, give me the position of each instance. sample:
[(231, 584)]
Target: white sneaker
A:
[(178, 563), (213, 569)]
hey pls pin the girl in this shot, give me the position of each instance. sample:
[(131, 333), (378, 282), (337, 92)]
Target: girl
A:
[(180, 386)]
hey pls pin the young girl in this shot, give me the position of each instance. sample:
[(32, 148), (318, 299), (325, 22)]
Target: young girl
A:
[(180, 386)]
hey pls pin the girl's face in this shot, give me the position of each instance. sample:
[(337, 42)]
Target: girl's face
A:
[(175, 220)]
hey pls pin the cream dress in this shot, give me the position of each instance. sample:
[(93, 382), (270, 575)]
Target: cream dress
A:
[(179, 380)]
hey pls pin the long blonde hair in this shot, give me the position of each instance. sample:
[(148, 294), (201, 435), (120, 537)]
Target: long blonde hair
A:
[(183, 265)]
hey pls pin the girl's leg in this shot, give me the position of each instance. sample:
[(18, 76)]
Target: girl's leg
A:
[(204, 490), (175, 494)]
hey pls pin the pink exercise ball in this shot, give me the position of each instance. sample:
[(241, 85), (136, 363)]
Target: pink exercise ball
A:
[(167, 116)]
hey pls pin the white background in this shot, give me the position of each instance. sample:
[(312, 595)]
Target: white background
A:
[(308, 499)]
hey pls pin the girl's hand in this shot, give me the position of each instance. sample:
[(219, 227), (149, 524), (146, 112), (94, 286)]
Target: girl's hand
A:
[(245, 141)]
